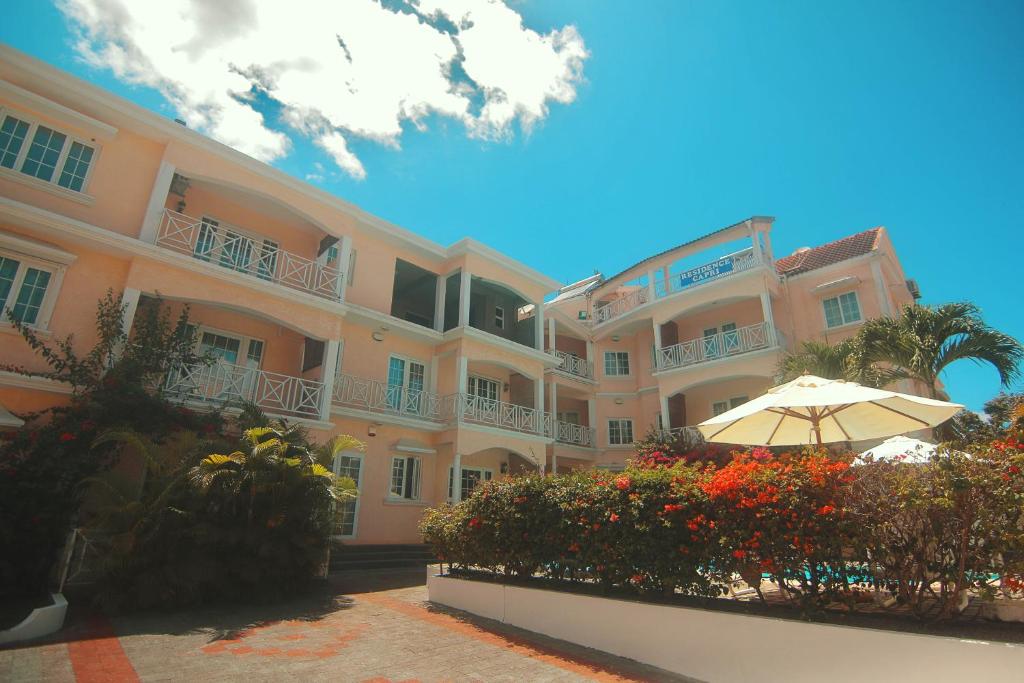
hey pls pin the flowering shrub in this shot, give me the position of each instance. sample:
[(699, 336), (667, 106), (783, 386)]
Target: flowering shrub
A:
[(810, 522), (661, 448)]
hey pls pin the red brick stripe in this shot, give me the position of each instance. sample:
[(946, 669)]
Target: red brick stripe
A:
[(574, 664), (98, 657)]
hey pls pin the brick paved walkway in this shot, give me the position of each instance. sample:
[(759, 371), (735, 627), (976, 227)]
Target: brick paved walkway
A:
[(368, 627)]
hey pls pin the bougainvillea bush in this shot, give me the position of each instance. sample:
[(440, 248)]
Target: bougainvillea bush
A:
[(821, 527)]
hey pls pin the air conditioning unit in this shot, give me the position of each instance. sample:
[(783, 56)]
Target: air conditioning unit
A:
[(581, 315), (915, 291)]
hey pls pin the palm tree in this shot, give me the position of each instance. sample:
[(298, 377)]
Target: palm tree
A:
[(831, 361), (924, 340)]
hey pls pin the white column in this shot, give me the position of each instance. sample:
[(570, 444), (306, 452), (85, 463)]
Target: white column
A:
[(592, 418), (461, 374), (766, 311), (650, 285), (756, 243), (554, 462), (657, 343), (551, 334), (157, 199), (457, 478), (665, 421), (668, 287), (538, 393), (464, 283), (553, 408), (328, 373), (344, 261), (538, 307), (129, 304), (880, 288), (432, 380), (439, 295), (590, 352)]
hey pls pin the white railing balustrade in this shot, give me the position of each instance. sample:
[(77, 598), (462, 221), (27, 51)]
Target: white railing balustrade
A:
[(721, 345), (580, 435), (620, 306), (714, 270), (573, 364), (487, 411), (379, 397), (223, 383), (228, 247)]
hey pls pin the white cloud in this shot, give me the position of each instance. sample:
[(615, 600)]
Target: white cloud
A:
[(338, 70)]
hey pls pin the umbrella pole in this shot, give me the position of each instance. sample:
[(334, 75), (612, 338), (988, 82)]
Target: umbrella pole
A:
[(816, 425)]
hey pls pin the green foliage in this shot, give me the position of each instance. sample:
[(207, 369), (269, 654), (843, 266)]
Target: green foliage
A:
[(254, 523), (832, 361), (662, 448), (43, 464)]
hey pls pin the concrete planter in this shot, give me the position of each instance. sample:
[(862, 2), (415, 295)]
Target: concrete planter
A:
[(723, 647), (42, 621)]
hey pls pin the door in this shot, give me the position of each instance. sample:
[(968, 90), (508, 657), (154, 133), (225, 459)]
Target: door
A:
[(406, 380), (730, 338), (710, 343), (348, 464), (471, 478), (236, 253), (483, 403), (207, 239)]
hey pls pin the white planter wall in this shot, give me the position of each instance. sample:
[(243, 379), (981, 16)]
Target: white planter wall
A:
[(42, 621), (722, 647)]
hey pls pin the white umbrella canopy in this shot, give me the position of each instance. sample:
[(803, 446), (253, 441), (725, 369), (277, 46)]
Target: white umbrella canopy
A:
[(813, 410), (902, 448)]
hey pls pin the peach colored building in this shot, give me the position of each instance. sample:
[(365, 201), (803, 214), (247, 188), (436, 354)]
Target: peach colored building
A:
[(442, 359)]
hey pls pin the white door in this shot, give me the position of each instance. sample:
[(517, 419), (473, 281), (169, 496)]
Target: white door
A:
[(348, 464), (406, 379)]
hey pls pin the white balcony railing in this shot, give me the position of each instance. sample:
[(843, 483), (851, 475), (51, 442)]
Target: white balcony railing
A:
[(708, 272), (223, 383), (580, 435), (486, 411), (677, 282), (573, 364), (716, 346), (620, 306), (229, 247), (379, 397)]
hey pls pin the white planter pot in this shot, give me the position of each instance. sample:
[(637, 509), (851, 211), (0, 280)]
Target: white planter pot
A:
[(42, 621), (724, 647)]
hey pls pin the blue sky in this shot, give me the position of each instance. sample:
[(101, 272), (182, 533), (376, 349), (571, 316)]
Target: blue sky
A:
[(833, 117)]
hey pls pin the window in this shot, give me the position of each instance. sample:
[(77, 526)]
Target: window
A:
[(49, 155), (499, 317), (471, 478), (570, 417), (616, 363), (620, 432), (842, 310), (405, 478), (484, 388), (719, 407), (345, 512), (405, 385), (23, 289)]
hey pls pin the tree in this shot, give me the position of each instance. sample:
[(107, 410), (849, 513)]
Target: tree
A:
[(925, 340), (831, 361)]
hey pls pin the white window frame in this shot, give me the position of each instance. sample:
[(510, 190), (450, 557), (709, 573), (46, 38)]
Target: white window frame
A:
[(621, 420), (499, 317), (486, 474), (31, 254), (243, 346), (730, 403), (14, 173), (418, 483), (356, 455), (629, 364), (845, 322), (478, 378)]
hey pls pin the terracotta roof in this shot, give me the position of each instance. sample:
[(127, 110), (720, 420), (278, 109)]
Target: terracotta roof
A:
[(827, 254)]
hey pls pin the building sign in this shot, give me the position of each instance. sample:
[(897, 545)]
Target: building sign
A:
[(699, 274)]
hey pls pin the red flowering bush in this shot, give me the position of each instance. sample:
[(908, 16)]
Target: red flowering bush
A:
[(661, 448)]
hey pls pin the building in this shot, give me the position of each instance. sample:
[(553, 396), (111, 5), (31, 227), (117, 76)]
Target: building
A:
[(442, 359)]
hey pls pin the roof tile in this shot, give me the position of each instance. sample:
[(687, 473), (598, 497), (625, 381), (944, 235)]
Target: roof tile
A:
[(827, 254)]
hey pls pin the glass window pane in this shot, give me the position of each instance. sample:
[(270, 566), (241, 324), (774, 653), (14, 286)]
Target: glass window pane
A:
[(255, 351), (397, 476), (75, 167), (206, 239), (8, 270), (12, 137), (850, 307), (43, 153), (30, 297), (833, 316), (221, 347)]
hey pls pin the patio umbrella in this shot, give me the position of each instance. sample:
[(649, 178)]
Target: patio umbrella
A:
[(814, 410), (901, 448)]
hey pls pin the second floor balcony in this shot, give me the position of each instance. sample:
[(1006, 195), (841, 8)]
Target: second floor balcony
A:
[(724, 344), (572, 364), (231, 247), (575, 434)]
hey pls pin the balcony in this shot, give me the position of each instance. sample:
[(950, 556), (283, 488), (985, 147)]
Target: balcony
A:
[(232, 248), (572, 364), (484, 411), (377, 397), (577, 435), (717, 346), (223, 383), (677, 282)]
